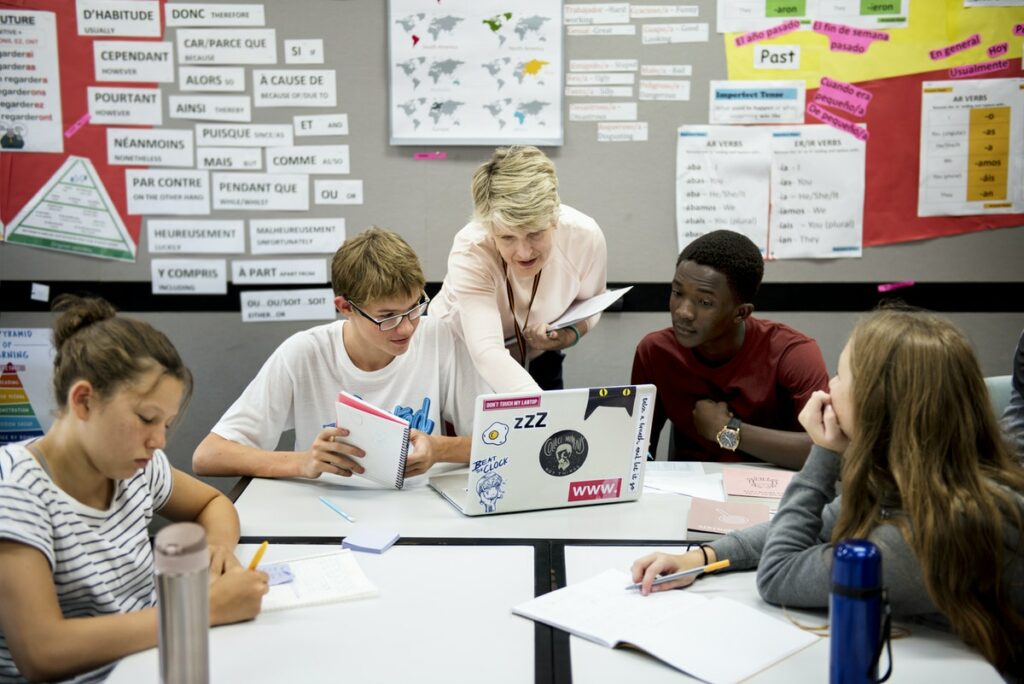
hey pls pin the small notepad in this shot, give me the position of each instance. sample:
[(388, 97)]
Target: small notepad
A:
[(383, 436), (325, 578), (370, 539)]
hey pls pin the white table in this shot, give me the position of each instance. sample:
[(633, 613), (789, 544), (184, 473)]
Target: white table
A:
[(442, 615), (291, 508), (925, 656)]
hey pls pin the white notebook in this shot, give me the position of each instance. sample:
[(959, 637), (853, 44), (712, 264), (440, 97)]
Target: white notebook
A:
[(684, 629), (325, 578), (382, 435)]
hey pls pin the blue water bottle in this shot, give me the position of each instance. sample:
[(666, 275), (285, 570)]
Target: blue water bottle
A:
[(856, 613)]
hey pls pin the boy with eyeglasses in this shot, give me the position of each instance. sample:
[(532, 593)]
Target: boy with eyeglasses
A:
[(385, 351)]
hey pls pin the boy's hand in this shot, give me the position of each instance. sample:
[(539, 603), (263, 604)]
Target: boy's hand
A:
[(330, 454)]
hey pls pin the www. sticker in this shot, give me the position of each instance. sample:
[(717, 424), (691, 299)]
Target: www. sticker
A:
[(587, 490)]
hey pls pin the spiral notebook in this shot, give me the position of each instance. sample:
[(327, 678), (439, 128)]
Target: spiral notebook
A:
[(314, 580), (383, 436)]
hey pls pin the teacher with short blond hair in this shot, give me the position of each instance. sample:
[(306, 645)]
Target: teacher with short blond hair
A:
[(516, 267)]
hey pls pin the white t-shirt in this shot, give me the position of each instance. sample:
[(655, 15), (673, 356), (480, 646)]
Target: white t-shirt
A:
[(101, 561), (297, 386)]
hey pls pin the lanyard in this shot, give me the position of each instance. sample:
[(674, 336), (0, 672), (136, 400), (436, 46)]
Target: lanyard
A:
[(520, 339)]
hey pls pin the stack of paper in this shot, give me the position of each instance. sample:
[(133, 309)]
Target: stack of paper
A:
[(686, 630), (370, 539)]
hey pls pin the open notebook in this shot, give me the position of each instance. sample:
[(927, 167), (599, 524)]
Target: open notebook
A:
[(382, 435), (718, 640), (313, 580)]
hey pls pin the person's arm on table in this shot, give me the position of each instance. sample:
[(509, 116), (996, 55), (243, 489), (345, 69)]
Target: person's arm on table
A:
[(781, 447)]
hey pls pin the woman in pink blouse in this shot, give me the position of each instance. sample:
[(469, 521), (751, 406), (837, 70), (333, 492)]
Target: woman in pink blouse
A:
[(517, 266)]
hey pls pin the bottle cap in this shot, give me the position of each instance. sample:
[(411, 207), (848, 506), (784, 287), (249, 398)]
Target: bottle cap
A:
[(857, 563), (181, 548)]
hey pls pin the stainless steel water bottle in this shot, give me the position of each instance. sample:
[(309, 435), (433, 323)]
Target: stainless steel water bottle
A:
[(182, 581), (855, 612)]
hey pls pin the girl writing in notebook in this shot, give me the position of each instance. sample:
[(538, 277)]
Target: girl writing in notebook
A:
[(926, 475), (76, 569)]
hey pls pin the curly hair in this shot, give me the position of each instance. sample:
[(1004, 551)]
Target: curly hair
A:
[(731, 254)]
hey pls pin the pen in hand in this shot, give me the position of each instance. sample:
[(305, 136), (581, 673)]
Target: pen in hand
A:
[(710, 567), (254, 563)]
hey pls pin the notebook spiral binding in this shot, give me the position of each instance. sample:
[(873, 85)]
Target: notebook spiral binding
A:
[(400, 475)]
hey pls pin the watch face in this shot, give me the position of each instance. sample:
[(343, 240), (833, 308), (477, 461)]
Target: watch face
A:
[(729, 439)]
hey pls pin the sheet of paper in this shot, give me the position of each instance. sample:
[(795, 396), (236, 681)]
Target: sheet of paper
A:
[(320, 125), (30, 112), (596, 13), (681, 467), (664, 34), (338, 192), (244, 135), (722, 517), (175, 192), (271, 271), (599, 91), (195, 237), (138, 18), (294, 88), (134, 61), (622, 131), (309, 51), (73, 213), (189, 276), (586, 308), (664, 89), (261, 191), (211, 79), (226, 46), (26, 366), (763, 482), (296, 236), (583, 79), (756, 102), (700, 486), (214, 14), (125, 106), (666, 70), (602, 111), (288, 305), (149, 147), (327, 578), (749, 15), (971, 147), (815, 212), (210, 107), (318, 159), (601, 30), (722, 182), (585, 65), (638, 11), (229, 158), (465, 72)]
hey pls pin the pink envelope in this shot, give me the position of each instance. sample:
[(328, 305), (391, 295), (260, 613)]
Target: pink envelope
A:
[(761, 482), (725, 516)]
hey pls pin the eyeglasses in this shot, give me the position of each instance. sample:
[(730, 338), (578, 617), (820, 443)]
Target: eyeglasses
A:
[(392, 322)]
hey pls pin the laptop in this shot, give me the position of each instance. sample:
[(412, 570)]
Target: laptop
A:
[(554, 449)]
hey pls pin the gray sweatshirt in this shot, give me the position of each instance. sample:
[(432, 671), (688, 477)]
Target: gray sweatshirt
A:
[(793, 552)]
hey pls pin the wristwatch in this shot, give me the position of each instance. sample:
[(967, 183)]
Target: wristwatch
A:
[(729, 436)]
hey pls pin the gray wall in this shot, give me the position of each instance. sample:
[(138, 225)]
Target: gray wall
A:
[(627, 187)]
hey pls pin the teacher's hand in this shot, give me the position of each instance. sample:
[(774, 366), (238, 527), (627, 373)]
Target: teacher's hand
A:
[(539, 337)]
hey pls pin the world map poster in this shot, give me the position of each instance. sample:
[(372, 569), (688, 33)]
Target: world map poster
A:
[(475, 72)]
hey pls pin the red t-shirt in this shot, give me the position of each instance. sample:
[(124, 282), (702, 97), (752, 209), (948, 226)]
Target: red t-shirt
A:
[(765, 384)]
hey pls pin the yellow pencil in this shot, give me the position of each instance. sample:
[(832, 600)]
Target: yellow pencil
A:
[(257, 556)]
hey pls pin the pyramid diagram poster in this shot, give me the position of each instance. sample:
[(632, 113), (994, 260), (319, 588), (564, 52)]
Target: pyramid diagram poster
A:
[(26, 362), (73, 213)]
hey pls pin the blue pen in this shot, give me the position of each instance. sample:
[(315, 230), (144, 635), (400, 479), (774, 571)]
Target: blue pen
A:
[(337, 510)]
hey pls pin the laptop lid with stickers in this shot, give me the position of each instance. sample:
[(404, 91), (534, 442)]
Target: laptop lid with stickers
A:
[(554, 449)]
